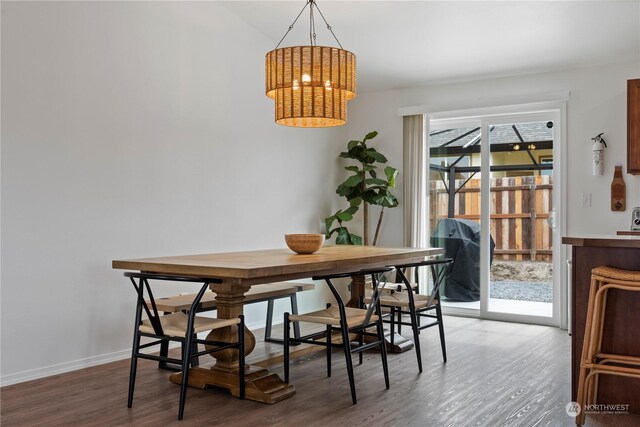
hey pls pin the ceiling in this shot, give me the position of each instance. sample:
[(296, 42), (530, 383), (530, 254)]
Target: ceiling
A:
[(402, 44)]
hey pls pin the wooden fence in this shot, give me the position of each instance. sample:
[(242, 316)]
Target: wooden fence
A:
[(520, 207)]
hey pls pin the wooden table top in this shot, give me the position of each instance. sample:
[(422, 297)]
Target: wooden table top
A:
[(277, 262)]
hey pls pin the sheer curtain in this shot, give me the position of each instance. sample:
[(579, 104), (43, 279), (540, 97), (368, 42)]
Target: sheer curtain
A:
[(415, 170)]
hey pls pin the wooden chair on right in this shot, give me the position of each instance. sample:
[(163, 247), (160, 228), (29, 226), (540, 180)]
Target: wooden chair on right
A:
[(594, 361), (349, 322), (409, 301)]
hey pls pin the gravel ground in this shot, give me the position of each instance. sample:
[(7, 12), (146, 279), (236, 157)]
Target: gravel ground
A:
[(521, 271), (522, 291)]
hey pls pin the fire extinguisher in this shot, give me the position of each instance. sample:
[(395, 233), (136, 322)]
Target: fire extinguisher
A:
[(599, 145)]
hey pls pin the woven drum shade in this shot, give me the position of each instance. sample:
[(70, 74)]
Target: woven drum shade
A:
[(311, 85)]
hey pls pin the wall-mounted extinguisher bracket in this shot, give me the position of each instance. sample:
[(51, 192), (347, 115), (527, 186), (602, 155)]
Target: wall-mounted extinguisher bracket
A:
[(599, 145)]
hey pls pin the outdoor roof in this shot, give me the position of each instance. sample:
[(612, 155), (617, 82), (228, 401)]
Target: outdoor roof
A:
[(501, 134)]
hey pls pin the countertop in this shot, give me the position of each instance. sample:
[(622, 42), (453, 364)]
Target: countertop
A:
[(603, 240)]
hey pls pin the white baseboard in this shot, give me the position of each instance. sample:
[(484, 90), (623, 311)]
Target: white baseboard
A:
[(61, 368)]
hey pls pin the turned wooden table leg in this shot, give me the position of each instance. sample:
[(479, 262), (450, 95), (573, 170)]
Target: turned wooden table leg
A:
[(357, 291), (260, 384), (230, 302)]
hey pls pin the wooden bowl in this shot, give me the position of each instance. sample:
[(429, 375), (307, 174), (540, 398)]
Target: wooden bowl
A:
[(304, 243)]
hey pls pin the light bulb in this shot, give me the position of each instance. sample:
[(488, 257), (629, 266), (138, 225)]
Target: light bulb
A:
[(296, 86), (306, 78), (327, 85)]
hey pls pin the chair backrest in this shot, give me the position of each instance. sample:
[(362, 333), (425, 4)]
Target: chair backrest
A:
[(373, 305), (437, 275), (152, 315), (152, 312)]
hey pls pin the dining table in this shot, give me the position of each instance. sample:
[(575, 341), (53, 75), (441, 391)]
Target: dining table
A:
[(236, 272)]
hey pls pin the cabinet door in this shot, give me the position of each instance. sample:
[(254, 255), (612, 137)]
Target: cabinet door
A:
[(633, 126)]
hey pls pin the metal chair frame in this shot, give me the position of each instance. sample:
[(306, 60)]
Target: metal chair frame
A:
[(188, 343), (415, 314), (269, 323), (345, 330)]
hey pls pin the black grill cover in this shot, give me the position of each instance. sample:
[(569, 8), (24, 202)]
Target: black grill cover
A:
[(461, 240)]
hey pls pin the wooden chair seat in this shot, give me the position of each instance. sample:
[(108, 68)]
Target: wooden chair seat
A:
[(401, 299), (175, 324), (617, 274), (331, 316), (394, 287)]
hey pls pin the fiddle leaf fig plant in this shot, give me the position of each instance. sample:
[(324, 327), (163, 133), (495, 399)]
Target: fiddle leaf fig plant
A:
[(364, 187)]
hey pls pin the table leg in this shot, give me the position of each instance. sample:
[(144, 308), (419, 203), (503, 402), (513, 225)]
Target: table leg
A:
[(260, 384), (400, 343)]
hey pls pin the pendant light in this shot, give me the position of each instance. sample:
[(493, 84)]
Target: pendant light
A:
[(310, 84)]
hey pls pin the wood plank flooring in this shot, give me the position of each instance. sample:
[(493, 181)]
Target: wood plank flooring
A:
[(498, 374)]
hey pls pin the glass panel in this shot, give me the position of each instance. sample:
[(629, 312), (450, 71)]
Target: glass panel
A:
[(521, 193), (454, 211)]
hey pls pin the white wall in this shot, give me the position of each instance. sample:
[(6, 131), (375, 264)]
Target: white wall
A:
[(597, 104), (135, 129)]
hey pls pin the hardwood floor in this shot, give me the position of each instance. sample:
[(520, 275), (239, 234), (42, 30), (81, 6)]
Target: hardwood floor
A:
[(498, 374)]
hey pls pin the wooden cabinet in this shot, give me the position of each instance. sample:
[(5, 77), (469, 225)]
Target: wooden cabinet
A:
[(633, 126), (622, 334)]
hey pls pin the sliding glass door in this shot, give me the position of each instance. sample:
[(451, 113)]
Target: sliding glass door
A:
[(492, 194)]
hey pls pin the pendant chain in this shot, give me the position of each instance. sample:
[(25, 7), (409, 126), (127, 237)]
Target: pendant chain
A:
[(312, 24)]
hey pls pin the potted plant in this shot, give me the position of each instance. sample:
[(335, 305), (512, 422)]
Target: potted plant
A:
[(364, 187)]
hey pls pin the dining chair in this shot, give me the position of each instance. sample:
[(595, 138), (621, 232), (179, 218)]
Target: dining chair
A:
[(348, 321), (409, 301), (181, 327)]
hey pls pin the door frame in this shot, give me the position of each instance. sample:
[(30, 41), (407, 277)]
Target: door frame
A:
[(555, 111)]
